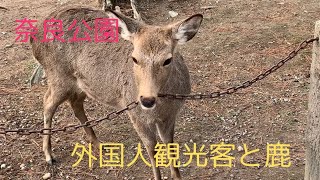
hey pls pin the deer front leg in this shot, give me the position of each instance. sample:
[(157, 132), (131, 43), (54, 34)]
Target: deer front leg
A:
[(166, 132), (147, 134)]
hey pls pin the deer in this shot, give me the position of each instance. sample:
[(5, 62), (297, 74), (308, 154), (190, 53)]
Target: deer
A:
[(143, 63)]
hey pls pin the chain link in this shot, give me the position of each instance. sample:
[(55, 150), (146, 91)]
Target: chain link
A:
[(245, 84), (114, 114), (69, 128)]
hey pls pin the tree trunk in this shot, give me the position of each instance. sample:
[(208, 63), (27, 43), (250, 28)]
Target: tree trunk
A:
[(312, 169)]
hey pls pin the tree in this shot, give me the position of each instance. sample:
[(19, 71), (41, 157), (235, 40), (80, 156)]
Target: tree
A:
[(312, 168)]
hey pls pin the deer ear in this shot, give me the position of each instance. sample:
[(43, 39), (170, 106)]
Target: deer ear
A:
[(187, 29), (128, 27)]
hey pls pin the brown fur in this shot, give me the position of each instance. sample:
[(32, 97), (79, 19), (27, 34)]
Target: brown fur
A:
[(106, 72)]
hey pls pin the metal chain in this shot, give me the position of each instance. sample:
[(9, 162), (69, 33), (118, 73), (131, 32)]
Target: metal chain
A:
[(114, 114), (245, 84), (69, 128)]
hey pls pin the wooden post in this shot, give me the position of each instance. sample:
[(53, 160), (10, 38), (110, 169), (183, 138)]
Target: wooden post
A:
[(312, 169)]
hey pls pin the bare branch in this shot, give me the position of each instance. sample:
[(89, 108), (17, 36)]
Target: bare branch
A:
[(136, 15)]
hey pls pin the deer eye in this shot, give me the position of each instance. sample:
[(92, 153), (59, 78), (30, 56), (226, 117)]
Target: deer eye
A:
[(135, 60), (167, 62)]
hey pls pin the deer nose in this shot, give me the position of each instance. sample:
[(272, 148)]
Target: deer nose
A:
[(148, 102)]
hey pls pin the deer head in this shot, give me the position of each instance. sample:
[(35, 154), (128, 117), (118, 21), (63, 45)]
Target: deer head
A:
[(154, 50)]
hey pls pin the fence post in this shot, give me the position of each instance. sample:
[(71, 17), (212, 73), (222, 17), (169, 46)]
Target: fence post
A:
[(312, 168)]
